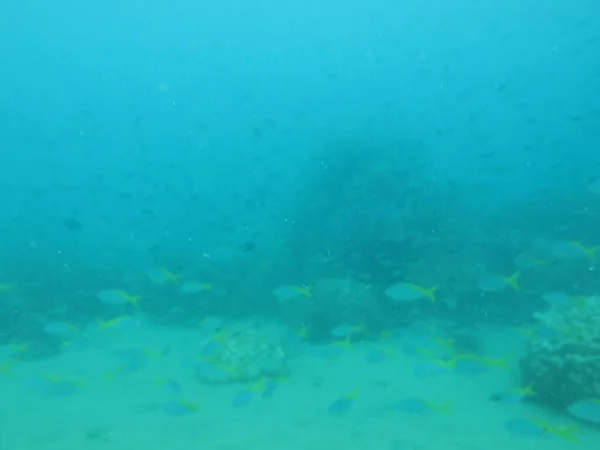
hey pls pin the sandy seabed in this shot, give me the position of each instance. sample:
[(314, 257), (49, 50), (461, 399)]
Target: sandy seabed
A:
[(114, 411)]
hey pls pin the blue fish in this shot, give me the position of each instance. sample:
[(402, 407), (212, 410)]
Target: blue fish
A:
[(179, 408), (342, 405), (270, 388), (587, 410), (243, 398), (377, 356), (174, 387), (526, 429)]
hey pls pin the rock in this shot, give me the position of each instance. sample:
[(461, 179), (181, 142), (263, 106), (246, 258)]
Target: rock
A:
[(563, 356), (244, 356)]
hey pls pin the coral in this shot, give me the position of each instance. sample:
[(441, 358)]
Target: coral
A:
[(563, 356), (244, 356)]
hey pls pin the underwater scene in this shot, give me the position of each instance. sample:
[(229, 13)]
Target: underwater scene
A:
[(299, 225)]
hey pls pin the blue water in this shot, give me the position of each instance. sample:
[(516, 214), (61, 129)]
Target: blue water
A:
[(328, 149)]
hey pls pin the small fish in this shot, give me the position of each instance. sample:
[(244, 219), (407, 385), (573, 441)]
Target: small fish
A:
[(270, 387), (287, 293), (468, 364), (587, 410), (536, 429), (179, 408), (161, 275), (246, 395), (558, 299), (55, 387), (60, 329), (211, 348), (243, 398), (342, 405), (345, 331), (409, 292), (132, 360), (530, 260), (193, 287), (495, 283), (247, 246), (414, 343), (117, 297), (516, 395), (549, 333), (172, 386), (573, 250), (72, 224), (295, 338), (434, 367), (379, 356), (211, 324), (121, 322)]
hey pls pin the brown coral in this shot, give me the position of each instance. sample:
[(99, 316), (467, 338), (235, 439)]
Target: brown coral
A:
[(245, 356), (563, 357)]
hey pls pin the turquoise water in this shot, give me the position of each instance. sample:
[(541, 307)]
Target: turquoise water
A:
[(231, 215)]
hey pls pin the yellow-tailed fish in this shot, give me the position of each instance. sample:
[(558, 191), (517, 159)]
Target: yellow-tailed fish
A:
[(587, 410), (287, 293), (573, 249), (409, 292), (342, 405), (193, 287), (118, 297), (161, 275), (495, 283)]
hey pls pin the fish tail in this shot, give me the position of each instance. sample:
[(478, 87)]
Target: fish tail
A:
[(430, 293)]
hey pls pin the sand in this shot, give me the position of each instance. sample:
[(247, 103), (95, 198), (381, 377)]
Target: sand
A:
[(117, 411)]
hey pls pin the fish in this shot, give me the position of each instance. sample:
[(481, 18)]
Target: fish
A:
[(243, 398), (193, 287), (120, 323), (54, 386), (409, 292), (72, 224), (378, 356), (530, 260), (247, 246), (468, 364), (171, 385), (345, 331), (118, 297), (558, 299), (537, 429), (246, 395), (342, 405), (516, 395), (495, 282), (161, 275), (587, 410), (179, 408), (434, 366), (211, 324), (573, 250), (60, 329), (287, 293)]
